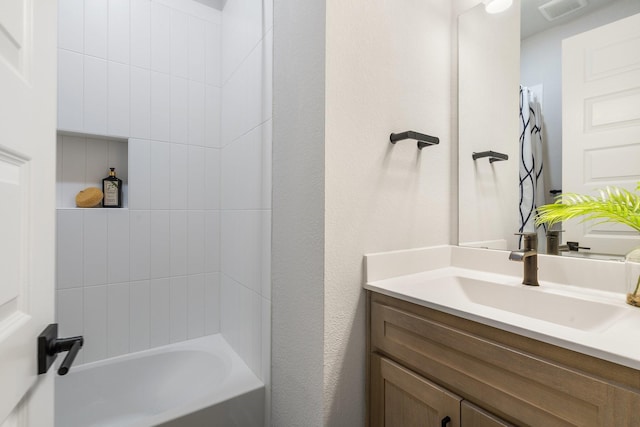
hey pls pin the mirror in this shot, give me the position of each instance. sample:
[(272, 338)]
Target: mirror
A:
[(497, 54)]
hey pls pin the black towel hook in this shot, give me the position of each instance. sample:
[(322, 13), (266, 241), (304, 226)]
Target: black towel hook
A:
[(423, 140)]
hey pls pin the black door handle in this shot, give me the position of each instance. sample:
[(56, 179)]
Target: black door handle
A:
[(49, 345), (445, 421)]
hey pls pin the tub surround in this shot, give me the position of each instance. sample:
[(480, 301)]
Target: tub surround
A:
[(432, 278), (199, 380)]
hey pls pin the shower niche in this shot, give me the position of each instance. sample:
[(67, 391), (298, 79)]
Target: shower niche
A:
[(83, 160)]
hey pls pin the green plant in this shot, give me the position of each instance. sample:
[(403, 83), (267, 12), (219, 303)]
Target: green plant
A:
[(613, 205)]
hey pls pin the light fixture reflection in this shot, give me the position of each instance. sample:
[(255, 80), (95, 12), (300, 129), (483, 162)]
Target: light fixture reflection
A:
[(497, 6)]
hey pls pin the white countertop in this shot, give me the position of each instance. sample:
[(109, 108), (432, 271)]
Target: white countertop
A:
[(585, 318)]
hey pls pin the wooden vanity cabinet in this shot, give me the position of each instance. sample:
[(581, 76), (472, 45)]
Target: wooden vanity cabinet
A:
[(426, 367)]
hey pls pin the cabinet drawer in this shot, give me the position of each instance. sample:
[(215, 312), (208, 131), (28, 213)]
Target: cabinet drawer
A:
[(518, 386)]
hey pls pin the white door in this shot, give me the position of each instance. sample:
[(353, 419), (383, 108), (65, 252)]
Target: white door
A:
[(601, 124), (27, 205)]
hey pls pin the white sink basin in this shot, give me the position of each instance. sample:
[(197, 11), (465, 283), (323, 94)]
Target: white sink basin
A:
[(537, 302)]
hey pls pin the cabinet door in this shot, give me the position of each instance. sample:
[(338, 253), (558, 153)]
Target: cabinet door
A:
[(472, 416), (401, 398)]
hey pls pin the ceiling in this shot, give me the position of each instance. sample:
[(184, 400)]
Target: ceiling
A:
[(534, 22)]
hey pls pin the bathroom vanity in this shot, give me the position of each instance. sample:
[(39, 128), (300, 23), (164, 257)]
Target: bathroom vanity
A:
[(429, 365)]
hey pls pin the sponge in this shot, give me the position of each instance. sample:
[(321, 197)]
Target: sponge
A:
[(89, 197)]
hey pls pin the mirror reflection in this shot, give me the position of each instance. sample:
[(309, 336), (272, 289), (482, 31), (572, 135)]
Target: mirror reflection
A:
[(579, 137)]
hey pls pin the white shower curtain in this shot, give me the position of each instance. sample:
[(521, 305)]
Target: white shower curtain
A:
[(531, 184)]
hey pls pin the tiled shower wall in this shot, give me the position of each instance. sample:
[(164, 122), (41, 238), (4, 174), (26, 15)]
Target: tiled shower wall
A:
[(191, 254), (247, 34), (146, 71)]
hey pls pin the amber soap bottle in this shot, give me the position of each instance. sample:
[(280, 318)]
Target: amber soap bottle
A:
[(112, 189)]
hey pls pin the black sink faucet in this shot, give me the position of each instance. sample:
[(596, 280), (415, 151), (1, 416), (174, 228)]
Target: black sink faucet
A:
[(529, 257)]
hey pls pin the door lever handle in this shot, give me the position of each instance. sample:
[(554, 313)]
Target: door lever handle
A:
[(49, 345)]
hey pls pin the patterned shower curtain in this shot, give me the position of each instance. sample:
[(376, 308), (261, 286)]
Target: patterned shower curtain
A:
[(531, 185)]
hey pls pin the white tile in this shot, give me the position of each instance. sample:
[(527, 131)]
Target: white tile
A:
[(229, 310), (179, 44), (95, 28), (255, 334), (118, 245), (178, 243), (244, 319), (118, 324), (241, 31), (179, 110), (118, 33), (69, 315), (242, 247), (69, 252), (139, 245), (141, 33), (179, 176), (196, 176), (267, 76), (160, 161), (160, 38), (265, 324), (195, 305), (160, 107), (71, 25), (213, 54), (243, 97), (159, 312), (212, 303), (160, 254), (179, 309), (246, 171), (139, 174), (94, 247), (267, 161), (212, 114), (70, 90), (212, 241), (118, 100), (59, 203), (265, 272), (95, 323), (140, 123), (196, 49), (95, 95), (69, 309), (139, 316), (195, 242), (97, 162), (119, 159), (242, 172), (212, 178), (74, 156), (235, 98), (196, 113)]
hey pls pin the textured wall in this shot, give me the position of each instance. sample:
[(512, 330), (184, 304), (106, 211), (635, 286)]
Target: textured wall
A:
[(298, 213), (388, 70), (341, 190)]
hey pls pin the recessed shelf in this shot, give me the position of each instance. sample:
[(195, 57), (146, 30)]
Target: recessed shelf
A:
[(84, 160)]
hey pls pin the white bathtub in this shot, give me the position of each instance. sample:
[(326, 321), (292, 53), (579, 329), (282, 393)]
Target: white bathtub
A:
[(200, 382)]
